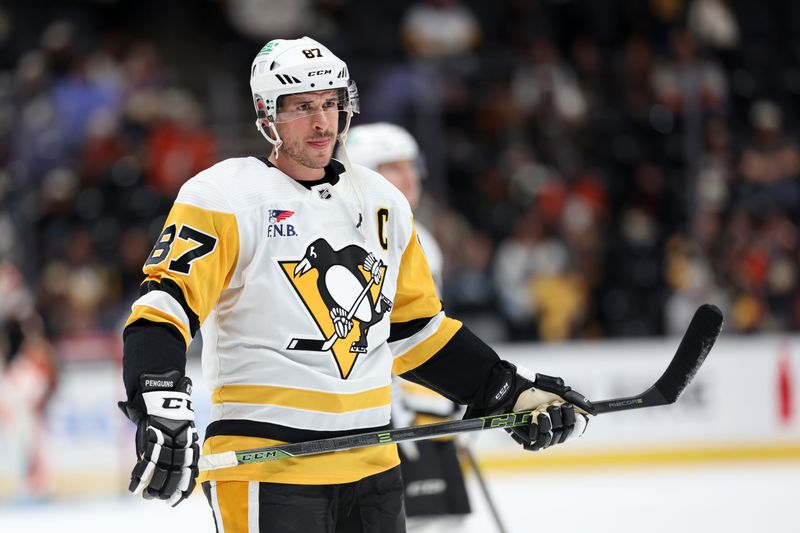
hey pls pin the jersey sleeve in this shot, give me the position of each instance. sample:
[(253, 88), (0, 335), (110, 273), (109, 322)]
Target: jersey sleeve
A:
[(430, 348), (191, 263), (419, 327)]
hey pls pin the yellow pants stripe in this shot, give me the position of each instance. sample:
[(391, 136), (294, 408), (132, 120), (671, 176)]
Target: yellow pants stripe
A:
[(235, 505)]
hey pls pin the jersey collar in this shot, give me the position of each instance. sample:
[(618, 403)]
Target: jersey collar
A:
[(331, 177)]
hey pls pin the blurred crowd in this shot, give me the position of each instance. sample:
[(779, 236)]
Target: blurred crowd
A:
[(594, 168)]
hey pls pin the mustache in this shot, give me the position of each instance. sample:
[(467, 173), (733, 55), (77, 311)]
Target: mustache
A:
[(323, 135)]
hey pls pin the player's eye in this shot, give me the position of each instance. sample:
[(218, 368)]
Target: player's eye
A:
[(330, 104)]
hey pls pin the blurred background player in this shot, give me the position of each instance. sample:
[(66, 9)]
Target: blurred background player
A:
[(27, 382), (392, 152), (435, 492)]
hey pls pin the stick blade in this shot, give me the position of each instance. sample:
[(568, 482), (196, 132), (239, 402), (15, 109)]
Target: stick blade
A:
[(697, 342)]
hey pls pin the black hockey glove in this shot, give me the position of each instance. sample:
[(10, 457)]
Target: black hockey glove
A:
[(166, 439), (559, 413)]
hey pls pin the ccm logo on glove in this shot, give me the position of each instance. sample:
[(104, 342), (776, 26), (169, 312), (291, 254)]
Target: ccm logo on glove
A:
[(177, 403), (503, 391)]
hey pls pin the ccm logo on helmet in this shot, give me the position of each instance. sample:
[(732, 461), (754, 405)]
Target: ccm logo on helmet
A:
[(319, 72), (175, 403)]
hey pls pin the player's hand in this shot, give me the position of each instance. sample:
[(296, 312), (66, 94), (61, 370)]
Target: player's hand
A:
[(166, 438), (559, 413)]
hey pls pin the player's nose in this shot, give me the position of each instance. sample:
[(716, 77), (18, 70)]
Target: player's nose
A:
[(320, 121)]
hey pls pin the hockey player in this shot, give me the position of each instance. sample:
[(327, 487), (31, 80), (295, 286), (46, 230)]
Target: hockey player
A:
[(435, 492), (285, 364)]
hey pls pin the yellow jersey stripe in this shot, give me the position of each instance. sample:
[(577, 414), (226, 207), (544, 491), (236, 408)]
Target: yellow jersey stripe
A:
[(427, 348), (157, 315), (327, 402)]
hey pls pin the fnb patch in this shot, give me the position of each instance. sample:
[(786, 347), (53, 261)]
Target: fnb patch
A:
[(277, 223)]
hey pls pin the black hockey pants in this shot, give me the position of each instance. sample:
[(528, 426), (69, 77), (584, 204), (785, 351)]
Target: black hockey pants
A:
[(371, 505)]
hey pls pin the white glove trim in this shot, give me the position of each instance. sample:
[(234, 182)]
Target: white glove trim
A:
[(147, 475), (581, 422)]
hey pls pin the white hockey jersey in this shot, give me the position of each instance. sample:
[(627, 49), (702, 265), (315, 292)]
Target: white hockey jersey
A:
[(296, 291)]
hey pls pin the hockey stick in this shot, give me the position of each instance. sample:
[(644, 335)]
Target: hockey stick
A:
[(695, 345), (692, 351), (323, 345), (467, 452)]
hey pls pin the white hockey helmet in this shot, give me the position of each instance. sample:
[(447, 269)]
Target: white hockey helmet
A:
[(295, 66), (372, 145)]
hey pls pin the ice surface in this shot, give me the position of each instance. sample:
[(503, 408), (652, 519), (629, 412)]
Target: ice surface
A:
[(702, 499), (722, 499)]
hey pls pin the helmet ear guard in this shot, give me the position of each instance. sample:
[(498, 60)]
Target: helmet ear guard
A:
[(263, 120), (261, 111)]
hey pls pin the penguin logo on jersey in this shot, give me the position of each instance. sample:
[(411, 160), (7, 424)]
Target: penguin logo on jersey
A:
[(342, 291)]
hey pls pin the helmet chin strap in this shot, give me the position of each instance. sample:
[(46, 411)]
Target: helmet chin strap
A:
[(348, 167), (277, 142)]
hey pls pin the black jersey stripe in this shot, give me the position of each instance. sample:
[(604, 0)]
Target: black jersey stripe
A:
[(266, 430), (172, 288), (404, 330)]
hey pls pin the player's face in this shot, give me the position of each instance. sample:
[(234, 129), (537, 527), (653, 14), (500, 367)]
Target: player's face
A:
[(307, 124), (404, 176)]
